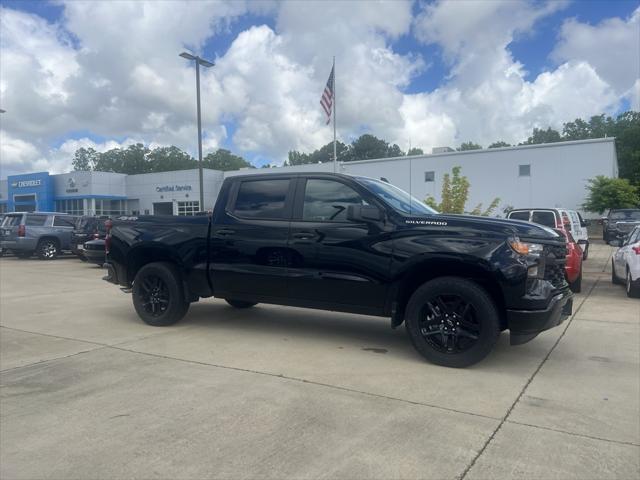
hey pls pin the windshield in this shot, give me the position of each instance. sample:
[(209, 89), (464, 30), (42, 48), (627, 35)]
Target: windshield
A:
[(626, 215), (397, 199)]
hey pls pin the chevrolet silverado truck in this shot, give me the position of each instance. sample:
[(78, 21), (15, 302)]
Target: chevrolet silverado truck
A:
[(351, 244)]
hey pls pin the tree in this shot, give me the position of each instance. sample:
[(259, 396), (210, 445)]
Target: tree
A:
[(543, 136), (415, 151), (224, 160), (607, 193), (131, 160), (167, 159), (469, 146), (499, 144), (368, 146), (455, 191), (85, 159)]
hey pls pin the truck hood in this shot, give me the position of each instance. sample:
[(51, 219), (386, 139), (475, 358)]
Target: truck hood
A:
[(519, 228)]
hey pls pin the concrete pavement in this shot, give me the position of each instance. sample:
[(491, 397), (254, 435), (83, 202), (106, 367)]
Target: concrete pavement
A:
[(89, 391)]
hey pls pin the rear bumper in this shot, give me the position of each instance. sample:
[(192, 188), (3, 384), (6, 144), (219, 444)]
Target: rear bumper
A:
[(525, 325)]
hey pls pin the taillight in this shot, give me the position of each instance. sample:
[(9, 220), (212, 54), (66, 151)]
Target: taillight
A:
[(21, 231), (107, 239), (636, 250)]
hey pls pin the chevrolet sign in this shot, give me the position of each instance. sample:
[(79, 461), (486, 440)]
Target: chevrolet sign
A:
[(26, 183)]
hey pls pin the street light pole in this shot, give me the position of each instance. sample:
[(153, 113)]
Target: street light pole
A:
[(199, 61)]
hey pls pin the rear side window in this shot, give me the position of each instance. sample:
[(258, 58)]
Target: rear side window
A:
[(12, 221), (262, 199), (547, 219), (519, 216), (64, 221), (35, 220)]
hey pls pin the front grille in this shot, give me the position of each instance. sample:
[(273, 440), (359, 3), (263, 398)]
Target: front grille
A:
[(554, 268)]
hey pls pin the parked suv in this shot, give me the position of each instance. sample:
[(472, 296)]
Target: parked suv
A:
[(44, 233), (570, 221), (87, 228), (619, 223)]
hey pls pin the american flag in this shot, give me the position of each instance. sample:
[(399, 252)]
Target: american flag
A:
[(327, 96)]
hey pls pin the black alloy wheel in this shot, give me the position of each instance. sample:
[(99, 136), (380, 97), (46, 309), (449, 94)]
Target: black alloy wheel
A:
[(48, 250), (452, 321), (158, 294), (155, 295), (449, 324)]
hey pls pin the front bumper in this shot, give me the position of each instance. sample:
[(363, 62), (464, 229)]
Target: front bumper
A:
[(525, 325)]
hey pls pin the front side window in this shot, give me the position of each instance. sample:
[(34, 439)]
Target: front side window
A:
[(328, 200), (262, 199), (60, 221)]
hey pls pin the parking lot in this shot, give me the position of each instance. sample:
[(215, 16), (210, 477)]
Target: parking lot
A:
[(89, 391)]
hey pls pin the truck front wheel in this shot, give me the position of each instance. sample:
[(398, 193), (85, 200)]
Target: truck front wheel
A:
[(452, 322), (158, 296)]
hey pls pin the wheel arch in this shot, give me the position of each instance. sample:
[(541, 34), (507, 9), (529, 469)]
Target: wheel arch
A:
[(422, 272), (44, 238)]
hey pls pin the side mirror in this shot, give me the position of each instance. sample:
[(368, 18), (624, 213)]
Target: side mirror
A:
[(364, 213), (585, 223), (616, 242)]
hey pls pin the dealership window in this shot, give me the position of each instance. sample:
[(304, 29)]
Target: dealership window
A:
[(3, 208), (429, 176), (110, 207), (262, 198), (24, 198), (72, 206), (188, 208), (524, 170)]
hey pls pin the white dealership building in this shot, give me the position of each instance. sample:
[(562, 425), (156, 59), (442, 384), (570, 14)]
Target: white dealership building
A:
[(546, 175)]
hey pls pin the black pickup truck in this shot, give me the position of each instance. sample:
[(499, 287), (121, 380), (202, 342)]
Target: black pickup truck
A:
[(351, 244)]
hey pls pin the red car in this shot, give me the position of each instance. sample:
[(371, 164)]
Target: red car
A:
[(573, 267)]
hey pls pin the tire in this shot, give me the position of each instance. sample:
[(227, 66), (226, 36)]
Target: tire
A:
[(22, 255), (464, 302), (240, 303), (576, 286), (158, 296), (633, 290), (47, 249), (605, 237), (585, 254), (614, 279)]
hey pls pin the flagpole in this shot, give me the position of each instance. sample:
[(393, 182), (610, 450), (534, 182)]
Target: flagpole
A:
[(335, 157)]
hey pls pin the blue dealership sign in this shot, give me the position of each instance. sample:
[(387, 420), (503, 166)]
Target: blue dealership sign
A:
[(33, 191)]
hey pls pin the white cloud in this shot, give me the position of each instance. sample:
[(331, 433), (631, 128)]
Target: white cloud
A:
[(112, 69), (612, 48), (488, 96)]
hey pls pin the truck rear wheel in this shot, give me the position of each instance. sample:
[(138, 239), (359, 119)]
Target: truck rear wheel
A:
[(452, 322), (158, 296)]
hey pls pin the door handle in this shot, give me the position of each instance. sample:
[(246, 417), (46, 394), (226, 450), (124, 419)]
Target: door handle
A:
[(304, 235), (225, 232)]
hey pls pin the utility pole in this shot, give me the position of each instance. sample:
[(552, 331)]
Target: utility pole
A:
[(205, 63)]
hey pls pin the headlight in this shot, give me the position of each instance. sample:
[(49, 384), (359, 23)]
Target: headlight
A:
[(526, 248)]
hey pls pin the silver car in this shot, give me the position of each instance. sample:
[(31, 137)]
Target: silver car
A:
[(45, 233)]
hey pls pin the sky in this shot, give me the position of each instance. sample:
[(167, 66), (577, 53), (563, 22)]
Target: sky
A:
[(417, 73)]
